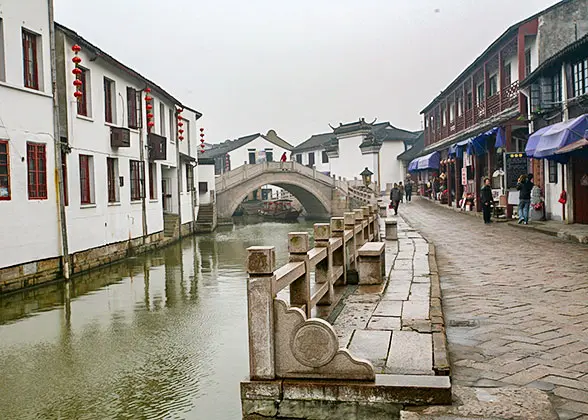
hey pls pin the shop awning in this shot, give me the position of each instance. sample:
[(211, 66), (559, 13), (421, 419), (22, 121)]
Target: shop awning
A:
[(457, 148), (545, 143), (500, 138), (573, 147), (478, 144), (430, 161)]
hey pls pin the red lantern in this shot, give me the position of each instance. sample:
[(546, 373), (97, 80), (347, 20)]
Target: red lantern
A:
[(203, 145), (181, 138), (149, 107), (78, 94), (76, 48), (150, 124), (150, 116), (77, 71), (181, 131), (180, 124), (201, 128), (76, 60), (148, 98), (77, 82), (147, 90)]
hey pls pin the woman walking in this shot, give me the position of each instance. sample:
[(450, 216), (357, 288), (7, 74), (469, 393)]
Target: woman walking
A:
[(395, 198)]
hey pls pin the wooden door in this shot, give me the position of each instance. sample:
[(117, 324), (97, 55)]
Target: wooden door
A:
[(580, 168)]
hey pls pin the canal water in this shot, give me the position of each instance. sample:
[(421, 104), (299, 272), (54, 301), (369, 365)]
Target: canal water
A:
[(163, 335)]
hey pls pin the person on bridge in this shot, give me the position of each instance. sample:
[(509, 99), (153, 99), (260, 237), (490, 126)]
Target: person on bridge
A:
[(395, 198), (284, 157), (487, 201)]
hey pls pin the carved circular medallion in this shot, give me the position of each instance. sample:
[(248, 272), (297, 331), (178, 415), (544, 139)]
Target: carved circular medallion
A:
[(314, 344)]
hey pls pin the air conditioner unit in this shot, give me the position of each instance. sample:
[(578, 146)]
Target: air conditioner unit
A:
[(120, 137)]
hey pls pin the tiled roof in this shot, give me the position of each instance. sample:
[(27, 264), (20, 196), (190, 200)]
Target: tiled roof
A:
[(416, 148), (230, 145), (314, 142)]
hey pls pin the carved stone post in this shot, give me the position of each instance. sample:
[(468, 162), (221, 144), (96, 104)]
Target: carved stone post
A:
[(339, 256), (350, 248), (261, 264), (323, 272), (367, 231), (298, 247), (359, 223)]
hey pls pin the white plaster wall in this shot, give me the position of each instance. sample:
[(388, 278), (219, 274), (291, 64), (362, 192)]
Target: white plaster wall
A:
[(206, 174), (553, 209), (390, 167), (240, 155), (351, 162), (318, 159), (30, 230)]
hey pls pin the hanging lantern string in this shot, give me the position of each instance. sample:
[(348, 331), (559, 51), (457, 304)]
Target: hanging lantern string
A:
[(149, 108), (77, 71), (202, 145)]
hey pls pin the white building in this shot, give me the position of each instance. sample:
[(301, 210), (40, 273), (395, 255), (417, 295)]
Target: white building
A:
[(28, 198), (249, 150), (352, 147), (122, 175)]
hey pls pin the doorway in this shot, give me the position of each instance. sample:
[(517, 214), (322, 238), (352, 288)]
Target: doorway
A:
[(166, 194), (580, 176)]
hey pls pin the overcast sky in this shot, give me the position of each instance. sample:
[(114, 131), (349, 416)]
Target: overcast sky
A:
[(295, 66)]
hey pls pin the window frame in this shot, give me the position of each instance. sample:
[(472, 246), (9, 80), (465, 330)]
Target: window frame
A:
[(112, 182), (134, 108), (162, 129), (507, 75), (30, 44), (152, 181), (65, 179), (85, 162), (552, 170), (173, 132), (480, 93), (325, 156), (493, 85), (36, 190), (83, 108), (109, 102), (528, 59), (299, 158), (137, 180), (580, 77), (7, 165), (189, 177), (311, 159)]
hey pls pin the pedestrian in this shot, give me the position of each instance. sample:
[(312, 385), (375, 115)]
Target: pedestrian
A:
[(525, 186), (408, 190), (284, 157), (395, 198), (401, 188), (487, 200)]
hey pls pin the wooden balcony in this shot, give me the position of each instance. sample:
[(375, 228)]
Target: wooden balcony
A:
[(504, 100)]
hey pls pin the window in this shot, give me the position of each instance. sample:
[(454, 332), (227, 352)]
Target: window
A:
[(86, 179), (251, 157), (580, 77), (481, 97), (84, 77), (269, 155), (556, 87), (4, 171), (30, 59), (189, 177), (299, 158), (137, 180), (162, 119), (37, 171), (507, 75), (153, 181), (112, 177), (444, 115), (311, 159), (493, 82), (552, 171), (325, 157), (460, 106), (64, 171), (203, 187), (451, 112), (109, 102), (527, 62), (469, 101), (134, 108), (2, 64), (172, 127)]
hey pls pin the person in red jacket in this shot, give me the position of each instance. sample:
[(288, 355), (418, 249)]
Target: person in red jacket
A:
[(284, 157)]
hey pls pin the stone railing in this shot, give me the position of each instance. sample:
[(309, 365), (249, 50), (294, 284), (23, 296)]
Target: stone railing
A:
[(284, 342), (242, 173), (365, 197)]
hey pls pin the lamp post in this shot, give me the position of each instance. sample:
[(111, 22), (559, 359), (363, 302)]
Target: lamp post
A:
[(366, 175)]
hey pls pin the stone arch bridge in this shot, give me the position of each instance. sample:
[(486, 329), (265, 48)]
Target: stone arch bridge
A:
[(319, 194)]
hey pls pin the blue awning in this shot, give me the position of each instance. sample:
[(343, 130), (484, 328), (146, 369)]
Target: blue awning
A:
[(500, 138), (457, 148), (430, 161), (544, 143)]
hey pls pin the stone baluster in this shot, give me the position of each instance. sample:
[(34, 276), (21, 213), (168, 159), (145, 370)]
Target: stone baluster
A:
[(366, 218), (323, 272), (351, 248), (340, 255), (298, 247), (261, 264), (358, 222)]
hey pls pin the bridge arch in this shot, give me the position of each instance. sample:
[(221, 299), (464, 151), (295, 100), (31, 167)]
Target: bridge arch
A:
[(315, 196)]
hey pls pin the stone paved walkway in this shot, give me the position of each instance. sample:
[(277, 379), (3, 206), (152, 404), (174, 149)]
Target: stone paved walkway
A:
[(515, 303), (390, 324)]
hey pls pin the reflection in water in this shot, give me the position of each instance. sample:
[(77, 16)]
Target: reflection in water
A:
[(162, 335)]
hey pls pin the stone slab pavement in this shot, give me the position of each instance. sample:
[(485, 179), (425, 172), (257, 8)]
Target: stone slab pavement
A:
[(378, 322), (516, 310)]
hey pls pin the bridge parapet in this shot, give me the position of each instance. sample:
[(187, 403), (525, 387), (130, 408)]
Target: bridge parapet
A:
[(284, 341)]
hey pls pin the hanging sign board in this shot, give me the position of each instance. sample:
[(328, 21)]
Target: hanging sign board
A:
[(516, 165), (464, 176)]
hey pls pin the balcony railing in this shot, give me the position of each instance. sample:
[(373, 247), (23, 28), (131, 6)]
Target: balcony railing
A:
[(506, 99)]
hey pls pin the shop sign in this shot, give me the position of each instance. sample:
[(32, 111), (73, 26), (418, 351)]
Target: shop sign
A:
[(464, 176)]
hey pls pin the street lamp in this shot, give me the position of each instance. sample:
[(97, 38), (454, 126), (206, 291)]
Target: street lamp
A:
[(366, 175)]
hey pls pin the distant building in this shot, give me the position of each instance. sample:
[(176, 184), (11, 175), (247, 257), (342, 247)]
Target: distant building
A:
[(351, 147)]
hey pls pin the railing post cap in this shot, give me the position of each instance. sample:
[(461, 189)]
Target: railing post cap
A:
[(261, 259), (358, 214), (366, 211), (337, 224), (349, 217), (322, 231), (298, 242)]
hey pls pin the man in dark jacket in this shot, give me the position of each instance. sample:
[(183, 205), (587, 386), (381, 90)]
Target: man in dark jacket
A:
[(487, 200), (408, 190), (525, 185), (395, 198)]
